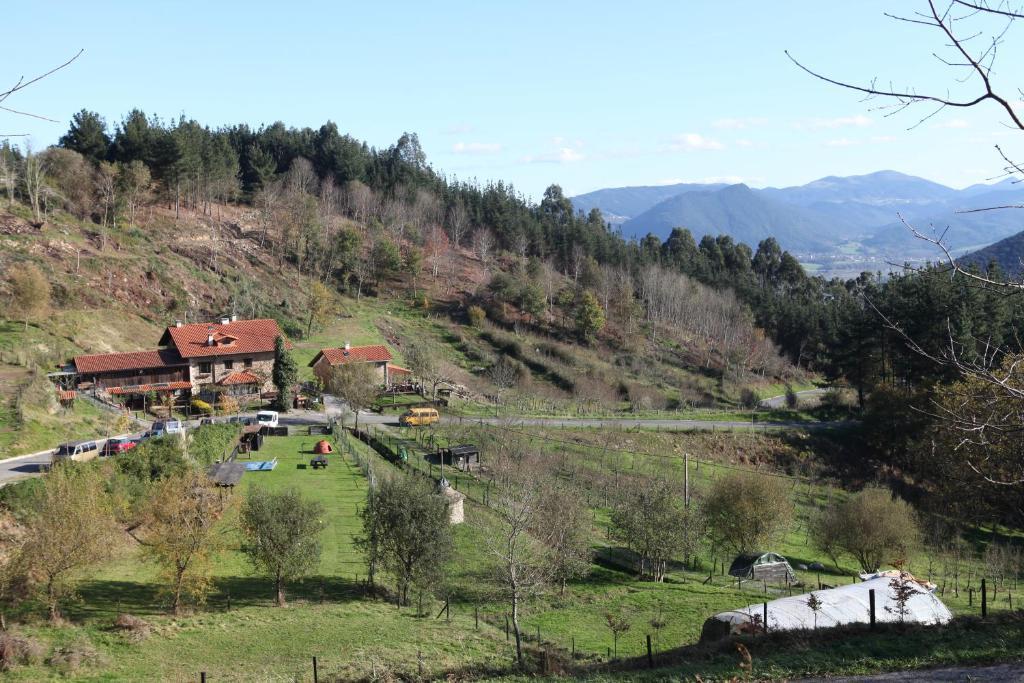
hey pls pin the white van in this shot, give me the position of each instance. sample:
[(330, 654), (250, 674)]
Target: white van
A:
[(266, 418), (79, 451)]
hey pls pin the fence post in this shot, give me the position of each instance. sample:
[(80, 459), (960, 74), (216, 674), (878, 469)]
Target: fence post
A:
[(871, 604), (650, 655), (316, 674), (765, 617), (202, 677), (984, 599)]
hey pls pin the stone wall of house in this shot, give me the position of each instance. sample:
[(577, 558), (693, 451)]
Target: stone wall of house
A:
[(262, 364)]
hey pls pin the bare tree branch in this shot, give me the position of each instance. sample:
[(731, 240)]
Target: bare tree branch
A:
[(22, 83)]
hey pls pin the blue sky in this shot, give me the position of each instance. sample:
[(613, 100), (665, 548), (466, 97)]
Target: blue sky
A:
[(585, 94)]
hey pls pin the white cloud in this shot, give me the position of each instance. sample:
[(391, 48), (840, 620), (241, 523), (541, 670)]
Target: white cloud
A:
[(476, 147), (841, 142), (738, 123), (458, 129), (883, 139), (689, 142), (563, 155), (952, 123), (858, 121), (744, 143)]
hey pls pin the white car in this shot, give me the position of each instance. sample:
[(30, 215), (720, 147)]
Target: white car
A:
[(266, 418)]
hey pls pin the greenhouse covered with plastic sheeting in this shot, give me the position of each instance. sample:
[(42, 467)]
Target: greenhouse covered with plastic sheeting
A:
[(849, 604)]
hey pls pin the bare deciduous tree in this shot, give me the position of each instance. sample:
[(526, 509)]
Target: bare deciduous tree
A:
[(483, 246), (971, 33), (457, 223)]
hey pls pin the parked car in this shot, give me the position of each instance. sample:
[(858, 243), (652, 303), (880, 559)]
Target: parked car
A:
[(267, 418), (416, 417), (242, 419), (174, 426), (118, 444), (79, 451)]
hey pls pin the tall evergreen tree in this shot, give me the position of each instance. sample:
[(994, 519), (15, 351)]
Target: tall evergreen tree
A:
[(87, 135), (285, 374)]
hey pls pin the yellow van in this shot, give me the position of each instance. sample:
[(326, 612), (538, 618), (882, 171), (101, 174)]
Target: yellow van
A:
[(418, 417)]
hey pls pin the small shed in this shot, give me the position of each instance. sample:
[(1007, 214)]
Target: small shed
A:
[(463, 456), (770, 567), (226, 473)]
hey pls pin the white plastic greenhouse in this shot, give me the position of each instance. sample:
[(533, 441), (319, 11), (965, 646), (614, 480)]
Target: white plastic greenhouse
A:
[(848, 604)]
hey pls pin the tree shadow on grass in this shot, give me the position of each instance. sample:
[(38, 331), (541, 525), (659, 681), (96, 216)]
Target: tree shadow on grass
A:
[(107, 599)]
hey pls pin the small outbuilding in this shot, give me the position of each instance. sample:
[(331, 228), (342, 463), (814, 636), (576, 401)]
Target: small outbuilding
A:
[(769, 567), (226, 474), (463, 456)]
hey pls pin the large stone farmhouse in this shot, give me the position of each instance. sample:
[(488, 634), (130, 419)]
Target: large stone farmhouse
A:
[(327, 360), (198, 359)]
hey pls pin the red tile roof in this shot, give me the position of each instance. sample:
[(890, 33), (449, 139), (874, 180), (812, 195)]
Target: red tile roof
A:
[(243, 377), (133, 360), (146, 388), (66, 394), (242, 336), (396, 369), (365, 354)]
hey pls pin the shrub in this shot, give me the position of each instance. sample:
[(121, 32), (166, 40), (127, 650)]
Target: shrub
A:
[(748, 510), (748, 398), (70, 658), (476, 316), (792, 400), (201, 407), (132, 627), (212, 442), (227, 404), (18, 650), (644, 398), (871, 526)]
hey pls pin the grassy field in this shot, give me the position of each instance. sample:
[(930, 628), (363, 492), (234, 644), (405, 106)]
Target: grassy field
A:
[(239, 635)]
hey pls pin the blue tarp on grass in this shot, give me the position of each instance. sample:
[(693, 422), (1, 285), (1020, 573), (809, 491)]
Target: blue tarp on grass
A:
[(261, 465)]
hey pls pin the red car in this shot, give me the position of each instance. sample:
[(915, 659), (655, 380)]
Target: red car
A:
[(118, 445)]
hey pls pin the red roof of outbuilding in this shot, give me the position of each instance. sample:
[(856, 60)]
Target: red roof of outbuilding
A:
[(132, 360), (364, 354), (399, 370), (241, 336), (243, 377)]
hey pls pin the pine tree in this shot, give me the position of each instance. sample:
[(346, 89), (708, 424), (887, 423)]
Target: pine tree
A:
[(285, 374)]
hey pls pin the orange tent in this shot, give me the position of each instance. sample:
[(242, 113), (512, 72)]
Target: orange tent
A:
[(323, 447)]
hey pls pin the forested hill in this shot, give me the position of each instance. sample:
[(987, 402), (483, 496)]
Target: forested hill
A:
[(1007, 254), (349, 215)]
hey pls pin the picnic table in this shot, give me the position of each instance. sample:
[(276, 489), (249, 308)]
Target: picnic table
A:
[(318, 462)]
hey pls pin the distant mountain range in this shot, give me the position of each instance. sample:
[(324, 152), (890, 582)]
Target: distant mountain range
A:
[(850, 215)]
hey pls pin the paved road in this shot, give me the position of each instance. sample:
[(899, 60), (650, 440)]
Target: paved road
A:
[(34, 464), (998, 673), (780, 401)]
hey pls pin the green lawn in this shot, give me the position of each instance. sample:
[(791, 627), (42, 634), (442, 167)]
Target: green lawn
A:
[(356, 636)]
